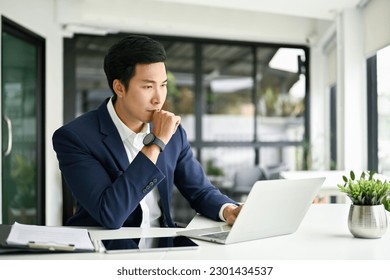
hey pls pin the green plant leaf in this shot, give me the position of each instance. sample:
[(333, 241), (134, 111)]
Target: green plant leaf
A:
[(366, 190), (371, 174)]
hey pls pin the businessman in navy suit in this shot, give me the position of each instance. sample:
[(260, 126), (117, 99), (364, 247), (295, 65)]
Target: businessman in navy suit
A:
[(122, 160)]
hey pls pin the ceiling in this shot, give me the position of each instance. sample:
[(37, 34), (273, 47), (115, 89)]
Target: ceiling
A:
[(90, 50), (318, 9)]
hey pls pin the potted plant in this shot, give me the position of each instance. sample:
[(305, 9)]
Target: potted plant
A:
[(367, 216), (23, 204)]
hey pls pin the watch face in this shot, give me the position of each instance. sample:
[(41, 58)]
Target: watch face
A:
[(148, 139)]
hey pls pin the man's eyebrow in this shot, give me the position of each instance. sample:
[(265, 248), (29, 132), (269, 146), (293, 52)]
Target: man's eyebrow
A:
[(152, 81)]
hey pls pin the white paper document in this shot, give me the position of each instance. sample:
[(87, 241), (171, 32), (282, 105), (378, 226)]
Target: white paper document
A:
[(53, 238)]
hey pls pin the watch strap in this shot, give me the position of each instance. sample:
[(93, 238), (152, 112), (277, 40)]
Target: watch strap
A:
[(159, 143)]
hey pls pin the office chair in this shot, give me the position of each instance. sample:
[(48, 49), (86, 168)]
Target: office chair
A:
[(243, 181), (68, 203), (272, 172)]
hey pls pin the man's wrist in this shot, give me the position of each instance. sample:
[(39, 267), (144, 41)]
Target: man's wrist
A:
[(152, 152), (152, 139), (221, 217)]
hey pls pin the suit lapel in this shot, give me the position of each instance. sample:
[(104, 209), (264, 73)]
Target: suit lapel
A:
[(115, 145), (112, 140)]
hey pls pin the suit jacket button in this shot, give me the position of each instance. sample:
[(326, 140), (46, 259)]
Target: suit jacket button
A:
[(154, 180), (144, 191)]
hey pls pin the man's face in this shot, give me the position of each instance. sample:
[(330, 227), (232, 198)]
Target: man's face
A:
[(147, 91)]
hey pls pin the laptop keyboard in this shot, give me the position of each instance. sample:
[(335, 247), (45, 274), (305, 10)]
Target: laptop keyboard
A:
[(217, 235)]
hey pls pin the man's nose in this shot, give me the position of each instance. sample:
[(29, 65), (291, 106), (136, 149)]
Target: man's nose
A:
[(158, 96)]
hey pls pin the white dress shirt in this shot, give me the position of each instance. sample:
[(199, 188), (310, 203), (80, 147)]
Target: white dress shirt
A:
[(133, 143)]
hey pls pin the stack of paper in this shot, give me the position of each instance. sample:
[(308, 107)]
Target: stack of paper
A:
[(49, 238)]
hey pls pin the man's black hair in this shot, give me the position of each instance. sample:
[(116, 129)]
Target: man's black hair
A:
[(120, 61)]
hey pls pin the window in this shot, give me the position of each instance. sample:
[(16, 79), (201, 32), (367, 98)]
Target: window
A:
[(22, 101), (378, 112), (383, 95), (181, 82), (238, 103), (227, 87)]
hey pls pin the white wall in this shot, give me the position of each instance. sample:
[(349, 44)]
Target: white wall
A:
[(338, 59), (359, 34), (351, 92), (164, 18), (39, 17)]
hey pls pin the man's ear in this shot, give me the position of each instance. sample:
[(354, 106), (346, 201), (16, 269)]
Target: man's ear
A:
[(119, 88)]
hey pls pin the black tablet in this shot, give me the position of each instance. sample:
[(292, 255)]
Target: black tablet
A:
[(147, 244)]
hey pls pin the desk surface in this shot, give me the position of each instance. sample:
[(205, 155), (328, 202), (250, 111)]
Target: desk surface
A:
[(329, 187), (332, 177), (323, 235)]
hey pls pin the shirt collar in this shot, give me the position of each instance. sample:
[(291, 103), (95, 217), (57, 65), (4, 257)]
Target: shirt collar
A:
[(124, 132)]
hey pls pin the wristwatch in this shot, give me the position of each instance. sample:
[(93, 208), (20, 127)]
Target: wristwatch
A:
[(151, 139)]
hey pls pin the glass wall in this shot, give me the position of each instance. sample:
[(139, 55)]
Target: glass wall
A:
[(22, 65), (241, 103), (227, 87), (383, 88), (181, 82), (281, 94)]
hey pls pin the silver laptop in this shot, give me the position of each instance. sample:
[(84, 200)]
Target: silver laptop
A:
[(272, 208)]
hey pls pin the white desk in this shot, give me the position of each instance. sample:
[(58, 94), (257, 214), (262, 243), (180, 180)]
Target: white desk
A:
[(329, 188), (323, 235), (332, 179)]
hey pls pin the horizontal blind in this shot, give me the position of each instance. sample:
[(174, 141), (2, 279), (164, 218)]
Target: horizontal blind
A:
[(377, 26)]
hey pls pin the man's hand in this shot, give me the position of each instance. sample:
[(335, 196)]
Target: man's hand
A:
[(165, 124), (231, 212)]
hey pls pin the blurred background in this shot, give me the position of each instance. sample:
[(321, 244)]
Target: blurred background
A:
[(263, 87)]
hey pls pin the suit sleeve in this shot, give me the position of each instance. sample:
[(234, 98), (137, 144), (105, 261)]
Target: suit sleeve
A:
[(193, 183), (108, 194)]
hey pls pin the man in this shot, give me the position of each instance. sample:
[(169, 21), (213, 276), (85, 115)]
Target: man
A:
[(122, 160)]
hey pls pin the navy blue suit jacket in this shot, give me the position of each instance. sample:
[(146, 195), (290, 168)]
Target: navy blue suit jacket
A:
[(93, 161)]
